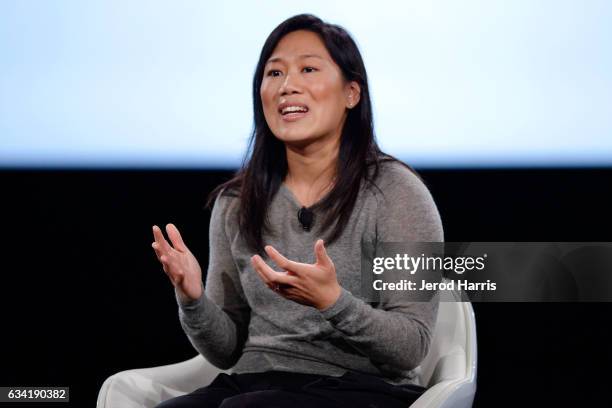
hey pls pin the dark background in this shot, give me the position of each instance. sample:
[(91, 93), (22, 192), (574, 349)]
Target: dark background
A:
[(83, 296)]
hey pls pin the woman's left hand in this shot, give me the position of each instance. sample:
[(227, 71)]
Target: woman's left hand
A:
[(308, 284)]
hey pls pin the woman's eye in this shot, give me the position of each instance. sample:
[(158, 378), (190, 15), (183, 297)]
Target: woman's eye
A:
[(276, 72)]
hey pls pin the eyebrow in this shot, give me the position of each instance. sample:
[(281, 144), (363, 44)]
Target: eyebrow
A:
[(303, 56)]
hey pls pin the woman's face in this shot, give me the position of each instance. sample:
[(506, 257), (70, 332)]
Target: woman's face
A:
[(303, 92)]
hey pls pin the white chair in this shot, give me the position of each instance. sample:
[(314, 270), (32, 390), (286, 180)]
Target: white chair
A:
[(449, 370)]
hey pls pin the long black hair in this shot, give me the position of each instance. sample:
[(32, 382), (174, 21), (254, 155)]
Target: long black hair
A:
[(265, 164)]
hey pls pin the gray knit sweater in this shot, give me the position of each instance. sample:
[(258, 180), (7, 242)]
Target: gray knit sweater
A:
[(239, 322)]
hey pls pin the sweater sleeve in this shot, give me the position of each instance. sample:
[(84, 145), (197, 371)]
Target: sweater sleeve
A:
[(396, 333), (217, 323)]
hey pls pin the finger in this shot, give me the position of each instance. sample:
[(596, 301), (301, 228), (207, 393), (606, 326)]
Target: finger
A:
[(159, 254), (163, 259), (264, 277), (269, 274), (283, 262), (257, 269), (282, 289), (271, 285), (321, 253), (289, 291), (175, 237), (294, 296), (175, 274), (155, 246), (164, 246)]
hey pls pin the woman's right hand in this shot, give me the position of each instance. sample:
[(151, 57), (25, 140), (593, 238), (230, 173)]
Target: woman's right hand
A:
[(178, 262)]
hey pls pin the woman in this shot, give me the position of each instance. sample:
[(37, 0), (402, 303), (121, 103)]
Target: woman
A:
[(280, 303)]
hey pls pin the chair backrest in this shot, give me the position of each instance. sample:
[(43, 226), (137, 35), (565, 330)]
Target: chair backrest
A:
[(452, 354)]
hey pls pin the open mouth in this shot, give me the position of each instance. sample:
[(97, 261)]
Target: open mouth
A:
[(293, 109), (292, 112)]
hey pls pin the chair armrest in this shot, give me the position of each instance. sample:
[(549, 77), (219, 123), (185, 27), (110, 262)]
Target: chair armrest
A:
[(147, 387), (451, 366), (185, 376)]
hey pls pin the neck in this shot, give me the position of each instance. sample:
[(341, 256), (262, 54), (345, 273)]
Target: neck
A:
[(311, 169)]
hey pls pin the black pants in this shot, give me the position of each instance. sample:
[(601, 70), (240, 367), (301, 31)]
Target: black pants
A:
[(282, 389)]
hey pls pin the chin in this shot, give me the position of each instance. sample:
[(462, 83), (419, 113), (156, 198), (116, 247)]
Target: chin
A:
[(294, 136), (297, 139)]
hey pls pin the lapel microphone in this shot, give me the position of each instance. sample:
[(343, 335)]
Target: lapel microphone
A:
[(305, 217)]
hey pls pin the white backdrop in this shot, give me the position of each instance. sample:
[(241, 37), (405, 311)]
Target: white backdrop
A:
[(168, 83)]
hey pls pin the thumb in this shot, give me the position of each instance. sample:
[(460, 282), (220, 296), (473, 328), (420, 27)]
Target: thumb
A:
[(175, 237), (321, 254)]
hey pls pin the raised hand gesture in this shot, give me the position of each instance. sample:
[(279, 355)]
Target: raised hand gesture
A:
[(178, 262), (308, 284)]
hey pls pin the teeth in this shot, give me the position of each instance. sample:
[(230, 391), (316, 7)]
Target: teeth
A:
[(289, 109)]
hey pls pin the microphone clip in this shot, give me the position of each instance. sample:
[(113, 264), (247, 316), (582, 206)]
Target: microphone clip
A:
[(306, 218)]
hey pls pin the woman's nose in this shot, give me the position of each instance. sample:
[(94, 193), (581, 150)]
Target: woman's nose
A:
[(290, 85)]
